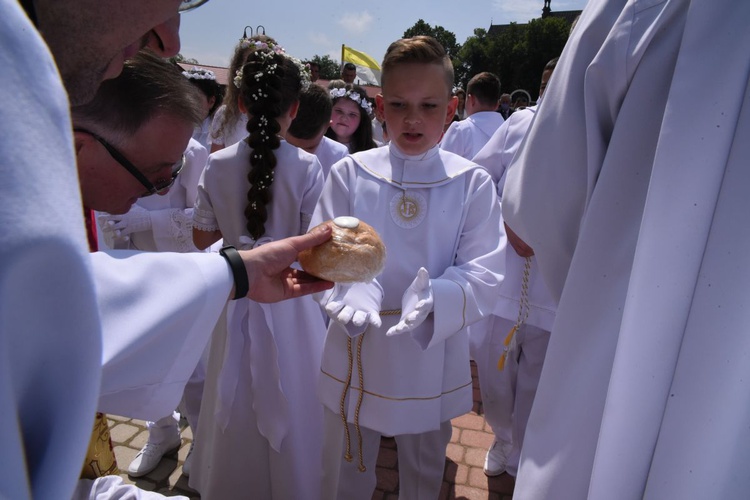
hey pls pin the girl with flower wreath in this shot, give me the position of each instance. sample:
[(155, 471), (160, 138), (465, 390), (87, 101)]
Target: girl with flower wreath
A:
[(261, 422), (229, 122), (350, 119), (212, 92)]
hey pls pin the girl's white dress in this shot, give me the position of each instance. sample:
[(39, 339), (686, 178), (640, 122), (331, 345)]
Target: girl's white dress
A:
[(261, 422)]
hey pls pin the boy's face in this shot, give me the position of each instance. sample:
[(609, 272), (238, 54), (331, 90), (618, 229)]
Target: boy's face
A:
[(416, 104)]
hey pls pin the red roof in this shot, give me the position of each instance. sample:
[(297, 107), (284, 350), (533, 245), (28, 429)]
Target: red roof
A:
[(222, 74)]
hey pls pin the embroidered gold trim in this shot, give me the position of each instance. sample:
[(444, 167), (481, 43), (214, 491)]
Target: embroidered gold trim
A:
[(463, 310)]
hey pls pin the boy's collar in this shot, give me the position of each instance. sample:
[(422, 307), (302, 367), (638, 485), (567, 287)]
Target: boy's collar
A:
[(395, 151), (430, 169)]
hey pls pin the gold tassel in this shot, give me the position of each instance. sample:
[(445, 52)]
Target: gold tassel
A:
[(506, 343)]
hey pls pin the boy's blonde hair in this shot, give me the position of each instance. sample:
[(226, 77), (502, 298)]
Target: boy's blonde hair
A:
[(419, 49)]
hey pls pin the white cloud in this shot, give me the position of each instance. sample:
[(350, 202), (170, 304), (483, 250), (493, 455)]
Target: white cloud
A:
[(356, 22)]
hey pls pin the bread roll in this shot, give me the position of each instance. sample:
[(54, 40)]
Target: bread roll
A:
[(354, 253)]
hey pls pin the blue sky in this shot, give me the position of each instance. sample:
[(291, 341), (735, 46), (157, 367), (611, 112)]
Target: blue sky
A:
[(309, 27)]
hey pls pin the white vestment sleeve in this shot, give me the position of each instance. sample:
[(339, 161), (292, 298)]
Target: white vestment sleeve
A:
[(157, 312)]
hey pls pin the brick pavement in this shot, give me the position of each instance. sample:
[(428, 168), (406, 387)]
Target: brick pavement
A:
[(463, 479)]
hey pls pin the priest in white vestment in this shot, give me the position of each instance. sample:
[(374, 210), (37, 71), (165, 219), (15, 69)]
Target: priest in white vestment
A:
[(636, 210)]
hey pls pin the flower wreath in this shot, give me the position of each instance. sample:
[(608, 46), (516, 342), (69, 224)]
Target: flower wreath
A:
[(196, 73), (304, 70), (354, 96)]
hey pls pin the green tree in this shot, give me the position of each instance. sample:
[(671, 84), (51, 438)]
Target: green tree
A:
[(446, 38), (329, 68), (179, 58), (474, 57)]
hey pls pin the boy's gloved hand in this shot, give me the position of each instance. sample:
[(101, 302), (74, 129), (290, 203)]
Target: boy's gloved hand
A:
[(356, 303), (416, 304), (136, 220)]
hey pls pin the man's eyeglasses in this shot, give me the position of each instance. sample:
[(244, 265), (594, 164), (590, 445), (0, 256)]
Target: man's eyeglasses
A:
[(159, 188)]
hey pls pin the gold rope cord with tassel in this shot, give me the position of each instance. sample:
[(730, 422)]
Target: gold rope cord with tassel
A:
[(342, 406), (348, 453), (523, 313)]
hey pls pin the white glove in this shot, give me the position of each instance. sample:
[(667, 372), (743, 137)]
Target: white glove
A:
[(356, 303), (416, 304), (136, 220)]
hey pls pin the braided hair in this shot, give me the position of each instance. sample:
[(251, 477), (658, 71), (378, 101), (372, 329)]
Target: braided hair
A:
[(271, 83)]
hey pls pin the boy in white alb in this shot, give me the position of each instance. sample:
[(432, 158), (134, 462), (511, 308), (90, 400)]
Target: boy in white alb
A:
[(396, 357), (507, 394), (466, 137), (308, 128)]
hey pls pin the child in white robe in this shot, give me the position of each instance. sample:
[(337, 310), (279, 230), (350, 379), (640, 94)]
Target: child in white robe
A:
[(308, 128), (466, 137), (508, 393), (396, 358), (261, 423)]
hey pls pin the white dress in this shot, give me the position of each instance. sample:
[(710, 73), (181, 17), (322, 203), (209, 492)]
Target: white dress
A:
[(261, 423), (636, 209), (65, 312), (232, 133), (466, 137)]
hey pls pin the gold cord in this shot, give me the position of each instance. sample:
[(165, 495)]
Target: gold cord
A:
[(523, 314), (342, 408), (361, 374), (390, 312)]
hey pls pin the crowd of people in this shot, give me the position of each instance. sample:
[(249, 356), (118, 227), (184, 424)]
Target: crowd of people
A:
[(586, 252)]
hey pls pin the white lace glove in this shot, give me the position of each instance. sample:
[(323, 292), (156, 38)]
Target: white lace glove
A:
[(356, 305), (416, 304), (136, 220)]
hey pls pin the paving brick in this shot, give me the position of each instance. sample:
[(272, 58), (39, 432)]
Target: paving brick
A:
[(124, 456), (477, 439), (468, 493), (455, 434), (503, 484), (469, 421), (122, 432), (387, 458), (387, 480), (475, 457), (455, 452)]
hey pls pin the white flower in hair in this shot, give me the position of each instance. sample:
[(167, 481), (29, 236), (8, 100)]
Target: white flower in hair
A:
[(196, 73), (354, 96)]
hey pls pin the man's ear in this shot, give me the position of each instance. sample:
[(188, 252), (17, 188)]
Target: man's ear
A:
[(451, 111)]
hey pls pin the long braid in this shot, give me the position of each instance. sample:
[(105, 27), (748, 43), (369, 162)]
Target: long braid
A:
[(270, 84)]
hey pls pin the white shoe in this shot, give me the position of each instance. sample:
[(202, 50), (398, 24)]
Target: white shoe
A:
[(188, 461), (150, 455), (497, 458)]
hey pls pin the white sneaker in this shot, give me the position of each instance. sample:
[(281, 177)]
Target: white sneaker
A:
[(188, 461), (150, 455), (497, 458)]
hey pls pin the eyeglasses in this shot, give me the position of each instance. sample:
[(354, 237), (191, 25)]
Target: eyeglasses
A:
[(187, 5), (159, 188)]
